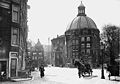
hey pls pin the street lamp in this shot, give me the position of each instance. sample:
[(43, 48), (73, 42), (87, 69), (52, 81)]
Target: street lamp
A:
[(102, 71)]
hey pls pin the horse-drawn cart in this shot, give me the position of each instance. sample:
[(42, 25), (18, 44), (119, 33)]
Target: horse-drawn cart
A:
[(83, 69)]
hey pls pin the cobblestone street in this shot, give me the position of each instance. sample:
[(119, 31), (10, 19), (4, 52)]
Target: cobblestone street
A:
[(56, 75)]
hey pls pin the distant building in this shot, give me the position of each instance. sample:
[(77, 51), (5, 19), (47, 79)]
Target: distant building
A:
[(37, 55), (82, 39), (58, 51), (13, 35), (47, 54)]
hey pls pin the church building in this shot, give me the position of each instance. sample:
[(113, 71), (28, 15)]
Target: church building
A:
[(82, 39)]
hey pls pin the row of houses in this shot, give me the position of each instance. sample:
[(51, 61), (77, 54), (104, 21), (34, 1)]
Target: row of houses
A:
[(35, 55)]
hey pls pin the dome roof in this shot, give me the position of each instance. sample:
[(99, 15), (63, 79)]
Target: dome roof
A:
[(82, 22)]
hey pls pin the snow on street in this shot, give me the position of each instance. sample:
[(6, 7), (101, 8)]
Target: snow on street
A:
[(56, 75)]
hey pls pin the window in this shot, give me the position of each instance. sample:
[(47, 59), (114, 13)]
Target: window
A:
[(73, 47), (83, 51), (77, 53), (82, 38), (82, 45), (29, 53), (88, 45), (77, 47), (15, 13), (34, 53), (33, 57), (73, 41), (82, 11), (88, 51), (77, 41), (4, 5), (15, 16), (15, 38), (40, 53), (88, 38), (73, 53)]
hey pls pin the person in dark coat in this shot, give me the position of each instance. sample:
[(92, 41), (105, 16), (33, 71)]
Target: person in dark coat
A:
[(41, 69)]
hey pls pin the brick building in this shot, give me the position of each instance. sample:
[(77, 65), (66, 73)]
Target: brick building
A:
[(13, 35), (58, 51), (82, 39)]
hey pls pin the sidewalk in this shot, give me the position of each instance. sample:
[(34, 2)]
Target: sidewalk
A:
[(21, 79)]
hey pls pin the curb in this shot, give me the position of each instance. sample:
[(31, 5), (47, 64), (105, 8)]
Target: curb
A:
[(20, 79)]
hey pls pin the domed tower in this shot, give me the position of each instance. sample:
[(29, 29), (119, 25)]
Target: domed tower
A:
[(82, 39)]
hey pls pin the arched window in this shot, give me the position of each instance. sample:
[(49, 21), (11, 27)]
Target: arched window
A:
[(88, 38), (77, 42), (88, 51), (82, 38), (73, 41)]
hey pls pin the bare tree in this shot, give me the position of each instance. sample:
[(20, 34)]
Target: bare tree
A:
[(110, 36)]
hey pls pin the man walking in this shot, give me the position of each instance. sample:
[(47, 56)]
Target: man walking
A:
[(41, 69)]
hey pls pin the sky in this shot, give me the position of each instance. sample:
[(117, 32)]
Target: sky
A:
[(49, 18)]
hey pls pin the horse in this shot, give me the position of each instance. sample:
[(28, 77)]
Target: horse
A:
[(88, 69), (83, 69)]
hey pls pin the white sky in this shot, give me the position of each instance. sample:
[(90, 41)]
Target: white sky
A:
[(49, 18)]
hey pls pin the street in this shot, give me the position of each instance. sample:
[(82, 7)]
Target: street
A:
[(57, 75)]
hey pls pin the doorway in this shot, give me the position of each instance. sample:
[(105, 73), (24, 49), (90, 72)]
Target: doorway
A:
[(13, 67), (3, 66)]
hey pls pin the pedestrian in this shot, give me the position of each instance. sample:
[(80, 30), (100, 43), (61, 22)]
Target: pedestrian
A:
[(41, 69)]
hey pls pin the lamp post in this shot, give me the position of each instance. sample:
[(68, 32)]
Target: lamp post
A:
[(102, 71)]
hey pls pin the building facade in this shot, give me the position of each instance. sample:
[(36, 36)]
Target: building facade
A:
[(58, 53), (82, 39), (13, 35), (37, 55), (47, 54)]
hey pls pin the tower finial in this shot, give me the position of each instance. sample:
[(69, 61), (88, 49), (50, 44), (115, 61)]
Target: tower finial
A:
[(81, 10), (81, 2)]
